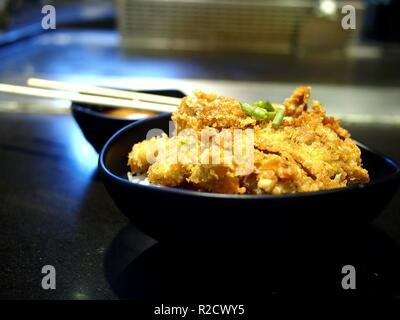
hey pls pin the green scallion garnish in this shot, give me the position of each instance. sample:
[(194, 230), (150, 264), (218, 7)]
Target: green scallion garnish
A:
[(265, 105), (247, 108), (260, 113), (271, 115), (257, 112), (280, 113)]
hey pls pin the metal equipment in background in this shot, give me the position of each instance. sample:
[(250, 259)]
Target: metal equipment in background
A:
[(252, 26)]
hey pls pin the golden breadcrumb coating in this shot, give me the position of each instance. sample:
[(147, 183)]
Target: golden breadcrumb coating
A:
[(219, 148), (298, 102), (209, 110), (138, 157)]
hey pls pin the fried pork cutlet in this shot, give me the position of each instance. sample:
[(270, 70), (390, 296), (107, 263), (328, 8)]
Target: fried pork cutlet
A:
[(221, 148), (208, 110)]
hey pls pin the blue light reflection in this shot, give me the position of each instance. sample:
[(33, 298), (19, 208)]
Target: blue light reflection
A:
[(83, 153)]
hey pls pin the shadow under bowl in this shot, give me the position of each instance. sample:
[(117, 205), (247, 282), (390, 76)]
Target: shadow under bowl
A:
[(172, 214), (98, 126)]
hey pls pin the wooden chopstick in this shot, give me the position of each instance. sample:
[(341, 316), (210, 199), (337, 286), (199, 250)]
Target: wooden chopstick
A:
[(84, 98), (100, 91)]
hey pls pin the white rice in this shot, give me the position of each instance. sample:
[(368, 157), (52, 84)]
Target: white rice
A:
[(138, 178)]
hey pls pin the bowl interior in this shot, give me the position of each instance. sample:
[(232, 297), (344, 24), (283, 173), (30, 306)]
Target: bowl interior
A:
[(115, 158)]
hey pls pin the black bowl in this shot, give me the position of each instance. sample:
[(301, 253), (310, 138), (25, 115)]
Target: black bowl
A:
[(169, 214), (98, 127)]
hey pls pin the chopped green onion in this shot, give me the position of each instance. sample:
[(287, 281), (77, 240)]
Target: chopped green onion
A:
[(260, 113), (280, 113), (265, 105), (271, 115), (247, 108)]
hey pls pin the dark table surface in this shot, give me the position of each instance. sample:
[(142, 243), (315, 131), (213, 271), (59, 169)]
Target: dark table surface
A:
[(54, 210)]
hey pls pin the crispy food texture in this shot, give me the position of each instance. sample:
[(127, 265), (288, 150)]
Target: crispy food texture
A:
[(209, 110), (219, 148)]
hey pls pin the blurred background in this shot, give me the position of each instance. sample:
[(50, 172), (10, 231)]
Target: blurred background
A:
[(245, 49)]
